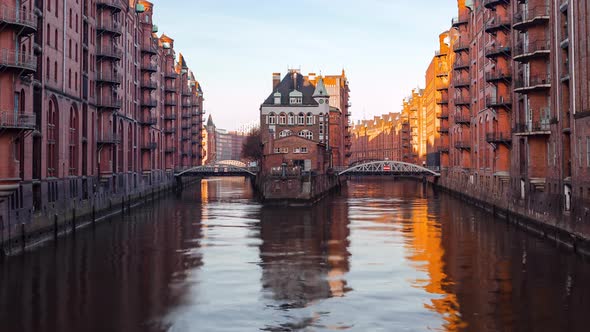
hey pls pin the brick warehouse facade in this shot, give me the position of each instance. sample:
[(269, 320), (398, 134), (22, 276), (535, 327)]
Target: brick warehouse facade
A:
[(506, 111), (95, 109)]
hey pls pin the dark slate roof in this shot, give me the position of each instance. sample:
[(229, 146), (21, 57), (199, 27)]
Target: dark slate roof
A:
[(287, 85), (210, 121)]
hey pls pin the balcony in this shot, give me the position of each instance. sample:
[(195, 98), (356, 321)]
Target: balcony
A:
[(187, 104), (533, 83), (17, 61), (442, 116), (170, 149), (499, 76), (463, 145), (185, 137), (442, 149), (499, 138), (149, 84), (195, 131), (441, 86), (491, 4), (461, 46), (108, 138), (171, 75), (149, 145), (461, 64), (533, 128), (443, 130), (497, 23), (149, 67), (458, 21), (110, 27), (17, 121), (169, 131), (170, 88), (112, 5), (523, 52), (494, 51), (442, 100), (169, 117), (108, 52), (149, 48), (149, 102), (186, 93), (109, 78), (108, 103), (523, 19), (462, 101), (499, 101), (185, 126), (170, 102), (463, 119), (24, 22), (186, 115), (148, 120), (460, 82)]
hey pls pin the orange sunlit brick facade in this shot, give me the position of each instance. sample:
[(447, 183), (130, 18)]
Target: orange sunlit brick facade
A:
[(505, 110)]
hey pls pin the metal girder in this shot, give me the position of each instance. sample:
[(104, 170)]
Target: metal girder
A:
[(232, 163), (218, 169), (390, 168)]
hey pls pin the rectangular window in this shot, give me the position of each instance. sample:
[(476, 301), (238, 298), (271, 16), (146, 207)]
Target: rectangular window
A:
[(580, 152), (296, 150), (277, 150), (588, 151), (284, 150), (304, 150)]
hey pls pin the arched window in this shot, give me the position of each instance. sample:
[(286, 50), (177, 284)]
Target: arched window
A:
[(48, 69), (301, 119), (282, 118), (306, 134), (73, 142), (309, 119), (272, 118), (55, 71), (285, 133), (52, 140), (291, 119)]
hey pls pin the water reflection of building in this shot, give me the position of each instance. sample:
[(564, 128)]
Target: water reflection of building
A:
[(121, 276), (304, 253)]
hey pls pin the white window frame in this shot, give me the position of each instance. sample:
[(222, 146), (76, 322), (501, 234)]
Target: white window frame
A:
[(303, 149)]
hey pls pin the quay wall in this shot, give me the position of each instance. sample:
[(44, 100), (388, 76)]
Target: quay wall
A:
[(296, 190), (78, 202)]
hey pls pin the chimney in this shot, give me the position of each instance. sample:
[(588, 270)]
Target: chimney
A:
[(276, 79)]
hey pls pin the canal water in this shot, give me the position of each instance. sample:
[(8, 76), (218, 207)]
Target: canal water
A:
[(380, 256)]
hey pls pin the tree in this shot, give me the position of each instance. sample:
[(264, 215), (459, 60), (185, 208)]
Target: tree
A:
[(252, 147)]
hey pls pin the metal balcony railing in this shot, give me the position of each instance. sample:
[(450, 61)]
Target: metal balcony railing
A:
[(461, 82), (108, 102), (25, 20), (169, 131), (18, 60), (524, 18), (524, 50), (108, 138), (14, 120), (109, 77), (110, 26), (170, 102), (460, 46), (149, 67), (533, 82), (442, 149), (499, 101), (169, 117), (462, 119), (463, 145), (462, 101), (498, 22), (493, 3), (149, 102), (171, 75), (149, 48), (170, 88), (109, 51), (114, 5), (494, 51), (500, 75), (499, 137), (461, 64), (460, 20), (443, 130), (541, 127), (148, 120), (149, 84)]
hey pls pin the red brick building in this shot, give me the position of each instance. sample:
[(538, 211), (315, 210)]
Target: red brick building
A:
[(94, 107), (300, 128)]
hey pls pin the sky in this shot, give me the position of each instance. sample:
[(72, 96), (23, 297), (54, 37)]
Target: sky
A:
[(234, 46)]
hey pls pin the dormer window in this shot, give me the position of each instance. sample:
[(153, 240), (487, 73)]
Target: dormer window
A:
[(277, 97), (295, 98)]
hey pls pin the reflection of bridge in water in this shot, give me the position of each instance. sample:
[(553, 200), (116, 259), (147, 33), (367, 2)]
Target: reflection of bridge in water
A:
[(220, 168)]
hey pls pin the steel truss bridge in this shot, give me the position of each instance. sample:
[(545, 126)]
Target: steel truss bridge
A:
[(220, 168), (388, 167)]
